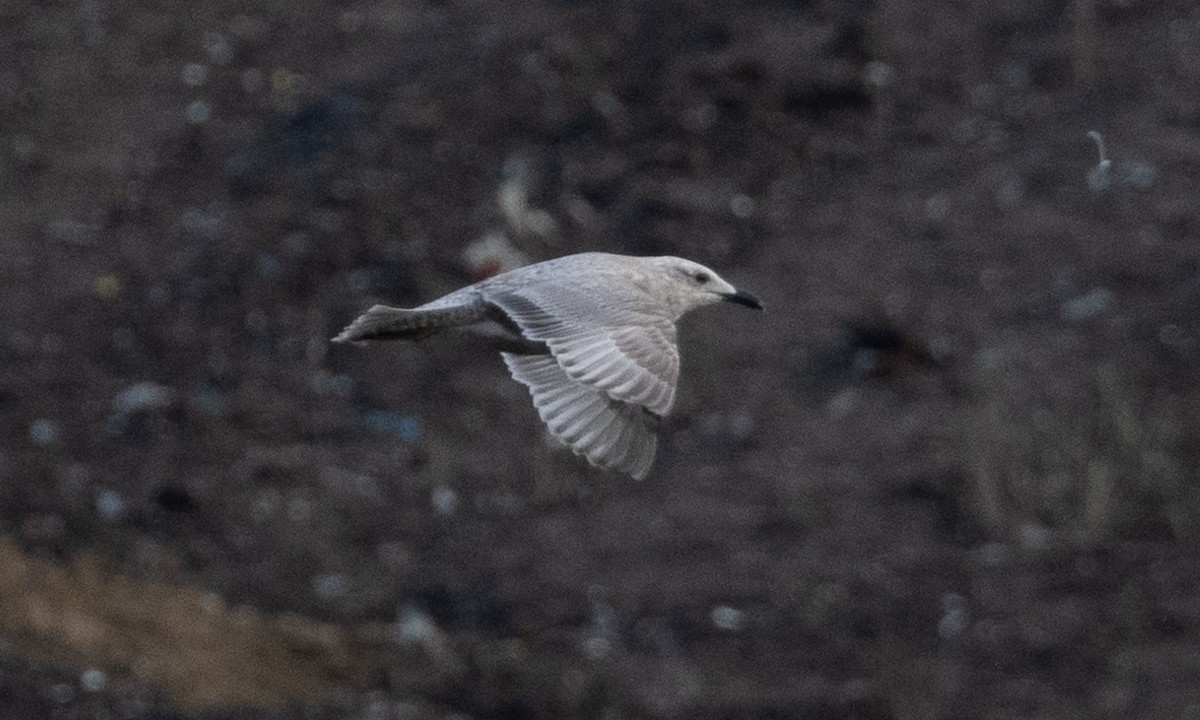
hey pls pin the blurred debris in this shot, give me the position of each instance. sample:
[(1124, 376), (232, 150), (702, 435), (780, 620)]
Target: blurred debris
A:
[(525, 222), (108, 287), (93, 680), (876, 350), (402, 425), (43, 432), (1086, 306), (727, 618), (444, 499), (135, 401), (142, 397), (414, 626), (110, 504), (1100, 176), (492, 254)]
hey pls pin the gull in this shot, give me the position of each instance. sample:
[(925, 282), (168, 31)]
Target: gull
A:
[(592, 336)]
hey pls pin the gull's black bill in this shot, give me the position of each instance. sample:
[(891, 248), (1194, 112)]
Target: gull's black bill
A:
[(744, 298)]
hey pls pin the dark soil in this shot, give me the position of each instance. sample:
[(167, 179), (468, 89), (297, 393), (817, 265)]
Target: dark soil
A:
[(951, 472)]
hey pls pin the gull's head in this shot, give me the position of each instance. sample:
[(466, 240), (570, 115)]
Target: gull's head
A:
[(687, 285)]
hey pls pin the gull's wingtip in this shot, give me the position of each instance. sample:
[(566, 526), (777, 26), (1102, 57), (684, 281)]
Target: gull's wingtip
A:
[(344, 336)]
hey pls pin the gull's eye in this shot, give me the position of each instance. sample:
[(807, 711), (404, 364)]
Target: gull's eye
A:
[(700, 277)]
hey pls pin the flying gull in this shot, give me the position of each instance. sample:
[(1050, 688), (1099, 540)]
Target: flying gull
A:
[(591, 335)]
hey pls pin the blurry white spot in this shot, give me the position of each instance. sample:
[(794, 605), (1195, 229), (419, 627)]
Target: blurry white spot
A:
[(1086, 306), (742, 206), (726, 618), (1100, 176), (607, 104), (93, 680), (61, 693), (492, 254), (330, 587), (937, 207), (109, 504), (217, 48), (193, 74), (212, 603), (954, 616), (604, 617), (443, 499), (843, 403), (43, 432), (143, 396), (878, 74), (1032, 535), (415, 626), (198, 112), (265, 504), (596, 648)]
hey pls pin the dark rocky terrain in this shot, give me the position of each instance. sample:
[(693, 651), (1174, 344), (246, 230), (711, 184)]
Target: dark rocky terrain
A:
[(951, 472)]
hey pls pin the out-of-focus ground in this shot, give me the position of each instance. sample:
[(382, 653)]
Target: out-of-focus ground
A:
[(949, 473)]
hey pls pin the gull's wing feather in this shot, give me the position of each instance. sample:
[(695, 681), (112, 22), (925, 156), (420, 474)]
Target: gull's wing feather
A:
[(610, 433), (620, 344)]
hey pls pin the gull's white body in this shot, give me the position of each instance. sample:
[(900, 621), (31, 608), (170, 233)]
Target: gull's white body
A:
[(591, 335)]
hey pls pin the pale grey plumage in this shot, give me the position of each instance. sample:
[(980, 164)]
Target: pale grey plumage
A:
[(592, 336)]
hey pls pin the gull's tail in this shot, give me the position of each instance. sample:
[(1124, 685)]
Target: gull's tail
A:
[(388, 323)]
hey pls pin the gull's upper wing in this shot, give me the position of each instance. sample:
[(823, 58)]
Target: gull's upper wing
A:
[(614, 341)]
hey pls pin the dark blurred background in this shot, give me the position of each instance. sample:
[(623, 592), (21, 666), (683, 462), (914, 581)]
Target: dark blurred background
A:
[(949, 473)]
